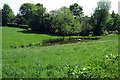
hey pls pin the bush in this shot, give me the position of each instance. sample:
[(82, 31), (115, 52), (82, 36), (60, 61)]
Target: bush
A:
[(107, 67)]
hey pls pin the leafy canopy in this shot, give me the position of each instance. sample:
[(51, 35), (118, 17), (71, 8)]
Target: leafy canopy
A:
[(7, 15)]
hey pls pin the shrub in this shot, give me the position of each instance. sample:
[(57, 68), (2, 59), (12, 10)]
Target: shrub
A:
[(107, 67)]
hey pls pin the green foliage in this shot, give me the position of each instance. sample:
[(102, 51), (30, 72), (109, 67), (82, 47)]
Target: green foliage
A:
[(118, 26), (25, 13), (7, 15), (64, 22), (20, 19), (86, 27), (0, 16), (77, 10), (61, 22), (37, 19), (104, 5), (47, 23), (114, 23), (32, 15), (107, 67), (100, 17)]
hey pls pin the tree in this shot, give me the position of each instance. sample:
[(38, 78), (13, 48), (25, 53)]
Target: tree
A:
[(37, 18), (64, 22), (113, 24), (25, 12), (0, 17), (118, 24), (77, 10), (86, 27), (47, 23), (32, 15), (7, 15), (20, 19), (100, 17)]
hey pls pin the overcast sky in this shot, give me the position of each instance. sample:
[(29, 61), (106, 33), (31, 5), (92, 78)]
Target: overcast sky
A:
[(88, 5)]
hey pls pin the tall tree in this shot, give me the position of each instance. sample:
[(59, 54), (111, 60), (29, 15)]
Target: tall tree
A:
[(25, 12), (77, 10), (0, 16), (86, 27), (7, 14), (100, 17), (113, 24), (37, 17), (64, 22), (47, 23), (20, 19), (118, 24)]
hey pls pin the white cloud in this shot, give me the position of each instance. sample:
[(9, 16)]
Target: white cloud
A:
[(88, 5)]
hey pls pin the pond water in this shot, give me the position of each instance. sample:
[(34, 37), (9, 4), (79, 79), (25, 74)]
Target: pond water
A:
[(73, 40), (58, 42)]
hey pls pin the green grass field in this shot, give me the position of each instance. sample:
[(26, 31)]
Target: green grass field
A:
[(58, 61)]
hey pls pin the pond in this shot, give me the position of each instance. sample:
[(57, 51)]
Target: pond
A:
[(72, 40), (53, 42)]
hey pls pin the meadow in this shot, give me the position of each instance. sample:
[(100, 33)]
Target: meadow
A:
[(94, 59)]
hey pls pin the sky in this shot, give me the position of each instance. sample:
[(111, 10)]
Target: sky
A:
[(119, 8), (88, 5)]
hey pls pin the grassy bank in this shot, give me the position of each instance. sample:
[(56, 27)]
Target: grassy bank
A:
[(53, 61)]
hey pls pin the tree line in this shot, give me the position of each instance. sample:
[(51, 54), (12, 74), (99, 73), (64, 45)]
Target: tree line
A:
[(64, 21)]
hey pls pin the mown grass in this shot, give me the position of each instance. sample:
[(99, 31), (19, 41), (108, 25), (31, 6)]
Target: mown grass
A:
[(17, 37), (51, 61)]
